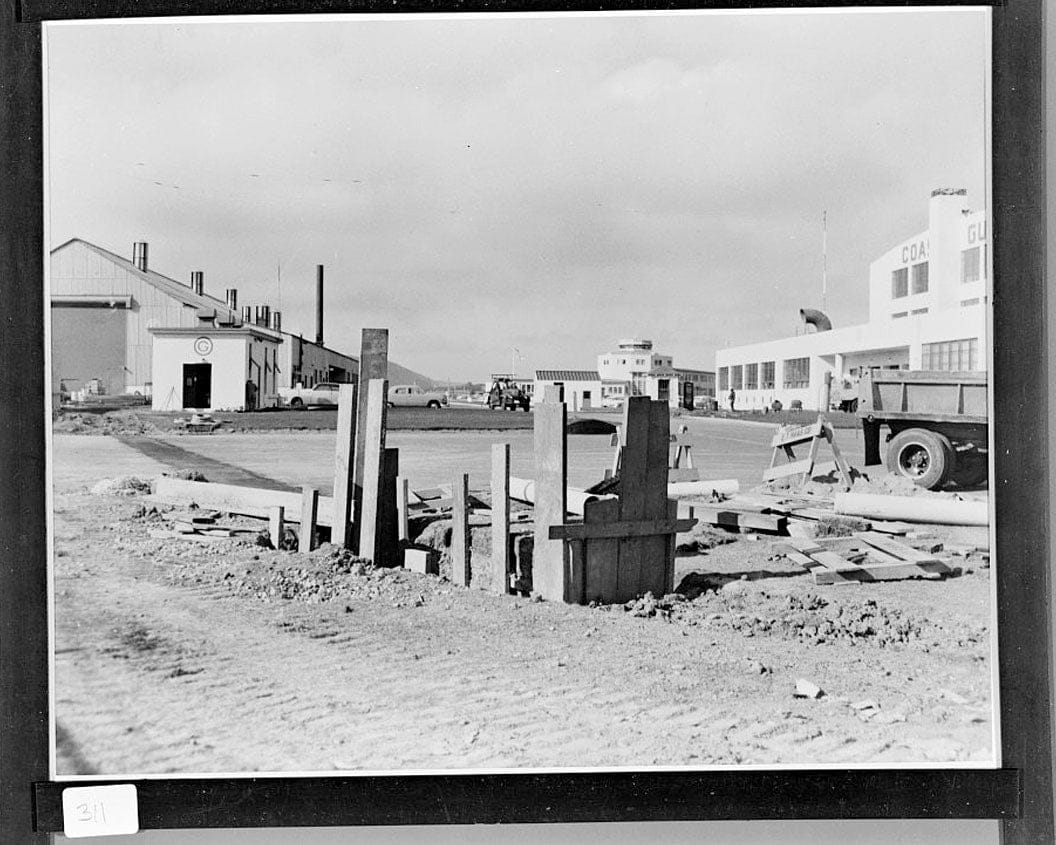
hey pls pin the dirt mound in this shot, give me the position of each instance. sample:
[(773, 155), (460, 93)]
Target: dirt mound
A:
[(110, 423), (125, 485), (704, 537)]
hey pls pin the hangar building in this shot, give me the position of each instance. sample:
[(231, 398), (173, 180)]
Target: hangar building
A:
[(928, 310)]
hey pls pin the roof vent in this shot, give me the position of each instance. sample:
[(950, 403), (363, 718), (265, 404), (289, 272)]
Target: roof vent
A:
[(197, 281), (139, 255), (816, 319)]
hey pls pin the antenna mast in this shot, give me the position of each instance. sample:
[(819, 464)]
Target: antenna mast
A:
[(824, 261)]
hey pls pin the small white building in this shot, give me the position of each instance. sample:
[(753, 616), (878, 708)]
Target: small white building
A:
[(927, 311), (634, 369), (580, 389), (215, 369)]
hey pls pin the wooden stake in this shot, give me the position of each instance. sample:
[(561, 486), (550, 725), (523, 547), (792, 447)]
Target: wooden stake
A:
[(275, 525), (500, 517), (373, 441), (309, 516), (388, 515), (373, 364), (402, 496), (344, 462), (460, 539), (550, 557)]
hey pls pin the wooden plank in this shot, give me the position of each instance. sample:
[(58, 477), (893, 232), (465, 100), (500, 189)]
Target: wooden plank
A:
[(878, 572), (373, 364), (890, 527), (602, 555), (653, 573), (370, 480), (893, 547), (793, 468), (460, 539), (617, 529), (344, 462), (669, 552), (634, 493), (500, 517), (276, 525), (786, 436), (828, 559), (309, 516), (550, 557), (683, 474), (733, 518), (232, 498), (388, 515), (402, 502)]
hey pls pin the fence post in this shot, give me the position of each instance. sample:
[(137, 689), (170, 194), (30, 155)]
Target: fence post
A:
[(309, 516), (371, 531), (460, 538), (500, 517), (373, 364), (341, 532)]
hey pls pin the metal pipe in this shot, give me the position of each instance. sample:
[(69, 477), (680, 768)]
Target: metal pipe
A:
[(523, 490), (139, 255), (319, 304), (913, 509)]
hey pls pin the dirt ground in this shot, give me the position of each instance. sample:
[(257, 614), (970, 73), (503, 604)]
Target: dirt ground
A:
[(177, 656)]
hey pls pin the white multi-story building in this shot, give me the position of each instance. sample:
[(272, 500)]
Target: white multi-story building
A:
[(634, 369), (928, 307)]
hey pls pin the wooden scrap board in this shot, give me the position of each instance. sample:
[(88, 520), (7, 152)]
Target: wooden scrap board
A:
[(896, 561)]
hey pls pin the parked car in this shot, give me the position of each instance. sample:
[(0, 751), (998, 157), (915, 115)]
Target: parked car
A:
[(412, 396), (323, 394)]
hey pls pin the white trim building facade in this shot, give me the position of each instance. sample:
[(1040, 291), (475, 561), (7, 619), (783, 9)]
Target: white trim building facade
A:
[(928, 310)]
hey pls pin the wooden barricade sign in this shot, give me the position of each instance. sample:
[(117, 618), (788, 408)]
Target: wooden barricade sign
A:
[(800, 470), (624, 547)]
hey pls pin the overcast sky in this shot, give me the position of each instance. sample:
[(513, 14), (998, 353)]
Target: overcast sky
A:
[(539, 182)]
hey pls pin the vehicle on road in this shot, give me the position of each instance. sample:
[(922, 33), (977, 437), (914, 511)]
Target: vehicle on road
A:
[(412, 396), (938, 425), (323, 394), (508, 396)]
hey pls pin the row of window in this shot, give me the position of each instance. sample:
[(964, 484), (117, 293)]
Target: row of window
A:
[(795, 373), (913, 280), (951, 355)]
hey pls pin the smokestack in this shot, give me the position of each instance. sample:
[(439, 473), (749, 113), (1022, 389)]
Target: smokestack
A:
[(232, 299), (247, 314), (139, 255), (276, 320), (319, 304), (197, 281), (263, 316)]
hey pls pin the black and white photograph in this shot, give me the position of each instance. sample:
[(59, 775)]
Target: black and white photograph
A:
[(520, 392)]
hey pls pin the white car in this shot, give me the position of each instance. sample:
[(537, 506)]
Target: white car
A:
[(323, 394), (412, 396)]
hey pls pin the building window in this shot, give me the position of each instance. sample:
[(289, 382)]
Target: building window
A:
[(916, 311), (751, 377), (919, 278), (736, 377), (900, 283), (899, 314), (797, 372), (966, 302), (971, 265), (951, 355), (724, 378), (768, 375)]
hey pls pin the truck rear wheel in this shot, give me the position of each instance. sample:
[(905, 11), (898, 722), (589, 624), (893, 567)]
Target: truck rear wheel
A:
[(924, 457)]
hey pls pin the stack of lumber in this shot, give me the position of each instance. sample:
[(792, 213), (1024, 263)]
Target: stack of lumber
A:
[(885, 559), (196, 525)]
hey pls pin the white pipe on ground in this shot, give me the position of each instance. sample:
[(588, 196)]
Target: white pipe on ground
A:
[(913, 509), (523, 490), (725, 486)]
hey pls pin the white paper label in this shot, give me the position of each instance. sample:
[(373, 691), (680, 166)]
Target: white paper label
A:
[(100, 810)]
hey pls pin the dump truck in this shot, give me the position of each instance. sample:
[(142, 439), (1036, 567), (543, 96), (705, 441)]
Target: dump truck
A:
[(937, 421)]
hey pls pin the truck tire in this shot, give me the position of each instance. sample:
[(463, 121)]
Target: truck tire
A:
[(433, 404), (296, 402), (924, 457)]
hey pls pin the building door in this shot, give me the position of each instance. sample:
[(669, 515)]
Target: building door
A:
[(197, 385), (663, 389), (687, 395), (586, 401)]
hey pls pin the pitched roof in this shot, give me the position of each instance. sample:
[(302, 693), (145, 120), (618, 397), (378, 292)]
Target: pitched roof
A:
[(567, 375), (171, 287)]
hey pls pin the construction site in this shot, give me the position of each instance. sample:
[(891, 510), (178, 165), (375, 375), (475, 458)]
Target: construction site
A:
[(638, 588)]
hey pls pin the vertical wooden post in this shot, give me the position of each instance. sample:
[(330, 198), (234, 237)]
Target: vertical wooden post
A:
[(388, 518), (402, 496), (309, 517), (373, 364), (276, 520), (500, 517), (373, 440), (550, 557), (344, 462), (460, 539)]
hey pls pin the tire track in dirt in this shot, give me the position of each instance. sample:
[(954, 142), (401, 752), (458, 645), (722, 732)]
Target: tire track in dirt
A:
[(215, 470)]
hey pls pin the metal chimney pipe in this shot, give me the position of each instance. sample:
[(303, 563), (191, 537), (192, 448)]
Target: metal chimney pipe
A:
[(247, 314), (139, 255), (276, 320), (263, 315), (319, 304), (231, 295), (197, 281)]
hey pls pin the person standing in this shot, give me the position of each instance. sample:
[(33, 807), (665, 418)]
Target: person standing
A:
[(733, 397)]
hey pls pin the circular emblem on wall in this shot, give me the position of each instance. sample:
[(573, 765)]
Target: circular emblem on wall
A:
[(203, 346)]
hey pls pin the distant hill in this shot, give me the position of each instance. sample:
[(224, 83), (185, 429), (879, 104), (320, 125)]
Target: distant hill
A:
[(401, 375)]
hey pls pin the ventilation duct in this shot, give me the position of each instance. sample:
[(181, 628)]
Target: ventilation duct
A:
[(816, 319)]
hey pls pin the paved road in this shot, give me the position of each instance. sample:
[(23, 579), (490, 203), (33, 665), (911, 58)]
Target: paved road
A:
[(725, 449)]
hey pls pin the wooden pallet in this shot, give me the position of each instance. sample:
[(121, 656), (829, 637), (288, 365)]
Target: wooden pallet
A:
[(888, 560)]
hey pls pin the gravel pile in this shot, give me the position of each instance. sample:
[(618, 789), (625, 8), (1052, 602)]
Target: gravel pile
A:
[(125, 485), (112, 422)]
